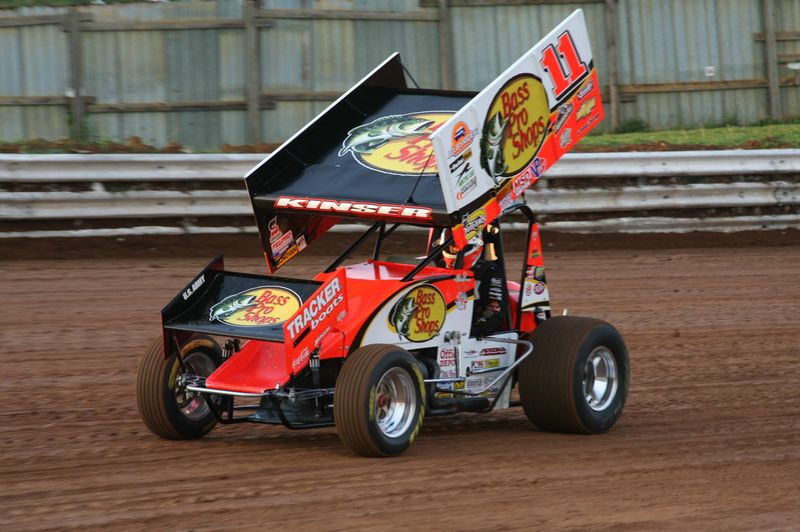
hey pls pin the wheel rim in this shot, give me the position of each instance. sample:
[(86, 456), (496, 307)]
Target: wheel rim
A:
[(192, 405), (600, 380), (395, 403)]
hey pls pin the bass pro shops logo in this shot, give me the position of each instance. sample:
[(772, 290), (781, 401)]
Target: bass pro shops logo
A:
[(257, 307), (515, 127), (419, 315), (396, 144)]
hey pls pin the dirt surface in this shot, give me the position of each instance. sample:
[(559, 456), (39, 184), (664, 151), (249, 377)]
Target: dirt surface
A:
[(710, 437)]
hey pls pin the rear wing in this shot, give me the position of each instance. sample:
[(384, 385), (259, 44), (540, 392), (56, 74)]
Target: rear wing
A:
[(504, 139), (386, 152), (240, 305)]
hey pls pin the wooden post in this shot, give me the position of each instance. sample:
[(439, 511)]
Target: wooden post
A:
[(611, 43), (445, 45), (773, 82), (252, 51), (77, 107)]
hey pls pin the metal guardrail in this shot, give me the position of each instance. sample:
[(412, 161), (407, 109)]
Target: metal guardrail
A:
[(674, 189)]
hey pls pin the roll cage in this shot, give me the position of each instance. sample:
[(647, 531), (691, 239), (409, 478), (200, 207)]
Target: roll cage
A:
[(435, 253)]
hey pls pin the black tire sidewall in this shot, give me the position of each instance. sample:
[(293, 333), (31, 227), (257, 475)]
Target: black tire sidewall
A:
[(403, 360), (607, 336), (187, 428)]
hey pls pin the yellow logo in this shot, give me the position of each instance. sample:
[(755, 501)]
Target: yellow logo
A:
[(396, 144), (257, 307), (474, 224), (419, 315), (585, 109), (515, 127)]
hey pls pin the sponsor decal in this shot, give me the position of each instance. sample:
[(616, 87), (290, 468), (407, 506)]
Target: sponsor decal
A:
[(280, 245), (538, 288), (301, 242), (592, 119), (586, 89), (481, 365), (585, 108), (352, 207), (256, 307), (515, 127), (396, 144), (535, 273), (316, 308), (493, 351), (474, 223), (274, 229), (195, 285), (562, 115), (466, 180), (566, 138), (462, 137), (287, 255), (475, 383), (301, 359), (526, 178), (461, 301), (470, 353), (419, 315), (447, 357), (506, 201)]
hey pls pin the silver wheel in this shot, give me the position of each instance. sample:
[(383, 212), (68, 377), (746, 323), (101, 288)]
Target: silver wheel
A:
[(192, 405), (395, 403), (600, 379)]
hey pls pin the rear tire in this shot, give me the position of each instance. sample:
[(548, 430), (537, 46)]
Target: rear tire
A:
[(576, 380), (166, 408), (379, 403)]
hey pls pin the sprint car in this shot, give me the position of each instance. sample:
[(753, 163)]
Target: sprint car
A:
[(374, 346)]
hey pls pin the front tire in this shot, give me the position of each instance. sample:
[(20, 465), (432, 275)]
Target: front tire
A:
[(379, 403), (168, 409), (576, 380)]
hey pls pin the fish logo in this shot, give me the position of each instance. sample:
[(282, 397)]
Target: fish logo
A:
[(230, 305), (515, 127), (419, 315), (402, 315), (262, 306), (492, 159), (396, 144)]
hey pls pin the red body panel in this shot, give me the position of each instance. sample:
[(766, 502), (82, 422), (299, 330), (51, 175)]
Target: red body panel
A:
[(261, 365), (258, 366), (528, 318)]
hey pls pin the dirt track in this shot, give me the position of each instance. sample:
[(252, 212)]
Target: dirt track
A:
[(710, 437)]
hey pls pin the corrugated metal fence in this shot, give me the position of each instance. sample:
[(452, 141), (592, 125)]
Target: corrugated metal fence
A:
[(208, 73)]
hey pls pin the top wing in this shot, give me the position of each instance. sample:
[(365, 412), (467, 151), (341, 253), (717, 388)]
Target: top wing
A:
[(505, 138)]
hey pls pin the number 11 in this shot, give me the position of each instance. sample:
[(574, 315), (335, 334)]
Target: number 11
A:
[(566, 68)]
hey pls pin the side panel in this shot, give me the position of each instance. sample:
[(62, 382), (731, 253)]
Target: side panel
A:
[(321, 314), (535, 294), (504, 139), (480, 362), (419, 315)]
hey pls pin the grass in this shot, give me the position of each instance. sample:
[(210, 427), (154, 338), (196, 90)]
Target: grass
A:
[(784, 135)]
